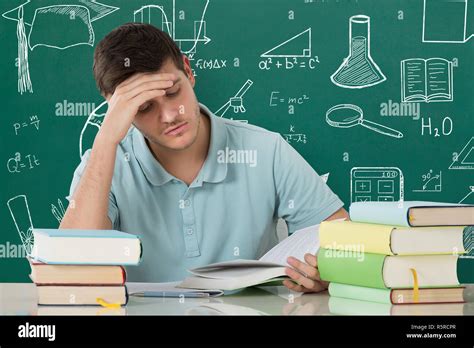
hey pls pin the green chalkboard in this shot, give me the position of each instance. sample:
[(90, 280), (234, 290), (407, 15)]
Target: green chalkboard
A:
[(376, 93)]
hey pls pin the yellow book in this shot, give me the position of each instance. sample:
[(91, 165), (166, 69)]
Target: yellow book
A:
[(392, 240)]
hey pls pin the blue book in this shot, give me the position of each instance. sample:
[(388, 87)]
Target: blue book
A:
[(413, 213), (86, 247)]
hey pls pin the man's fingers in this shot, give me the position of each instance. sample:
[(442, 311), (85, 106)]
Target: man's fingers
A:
[(122, 86), (148, 86), (292, 286), (145, 77), (299, 278), (311, 272), (307, 284), (311, 260), (144, 97), (131, 79)]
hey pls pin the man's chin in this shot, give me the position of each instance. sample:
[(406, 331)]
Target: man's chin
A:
[(177, 144), (177, 147)]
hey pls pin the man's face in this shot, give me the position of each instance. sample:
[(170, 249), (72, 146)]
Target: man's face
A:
[(159, 117)]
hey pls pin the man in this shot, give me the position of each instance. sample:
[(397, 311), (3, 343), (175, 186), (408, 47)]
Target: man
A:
[(170, 179)]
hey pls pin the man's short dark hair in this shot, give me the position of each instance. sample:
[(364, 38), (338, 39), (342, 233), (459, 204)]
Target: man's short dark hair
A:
[(129, 49)]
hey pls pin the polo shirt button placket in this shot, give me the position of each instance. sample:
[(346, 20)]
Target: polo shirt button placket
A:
[(189, 227)]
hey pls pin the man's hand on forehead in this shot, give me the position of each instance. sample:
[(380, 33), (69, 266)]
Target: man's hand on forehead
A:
[(140, 82), (128, 98), (148, 77)]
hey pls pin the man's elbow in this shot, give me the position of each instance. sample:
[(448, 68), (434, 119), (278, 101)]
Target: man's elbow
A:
[(340, 214)]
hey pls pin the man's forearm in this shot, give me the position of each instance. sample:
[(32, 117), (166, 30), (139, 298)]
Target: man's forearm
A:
[(88, 208)]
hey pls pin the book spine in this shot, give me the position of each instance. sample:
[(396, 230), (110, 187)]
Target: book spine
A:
[(140, 259), (360, 293), (425, 65), (377, 214), (124, 275), (363, 237), (73, 295), (403, 84), (351, 267)]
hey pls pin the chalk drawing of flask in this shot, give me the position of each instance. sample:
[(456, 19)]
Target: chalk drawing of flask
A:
[(358, 70)]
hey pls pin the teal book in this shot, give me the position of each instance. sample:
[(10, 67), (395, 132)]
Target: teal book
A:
[(86, 247), (412, 213), (385, 272)]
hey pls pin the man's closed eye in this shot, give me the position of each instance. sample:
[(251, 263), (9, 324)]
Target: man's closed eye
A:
[(172, 93)]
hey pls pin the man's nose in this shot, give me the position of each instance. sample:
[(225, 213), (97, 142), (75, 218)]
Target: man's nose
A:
[(167, 113)]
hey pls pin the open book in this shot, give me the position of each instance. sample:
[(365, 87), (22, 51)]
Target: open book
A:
[(427, 80), (237, 274)]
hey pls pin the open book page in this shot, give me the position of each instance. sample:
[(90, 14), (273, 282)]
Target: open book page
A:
[(299, 243), (233, 264), (236, 274), (229, 280), (413, 80), (439, 78), (238, 271)]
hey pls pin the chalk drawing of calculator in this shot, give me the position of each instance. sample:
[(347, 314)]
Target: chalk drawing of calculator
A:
[(376, 184)]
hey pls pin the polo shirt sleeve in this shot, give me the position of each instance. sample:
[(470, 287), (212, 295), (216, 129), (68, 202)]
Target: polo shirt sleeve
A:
[(303, 198), (113, 212)]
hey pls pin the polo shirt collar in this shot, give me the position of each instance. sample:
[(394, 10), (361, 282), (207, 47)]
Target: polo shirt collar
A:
[(211, 171)]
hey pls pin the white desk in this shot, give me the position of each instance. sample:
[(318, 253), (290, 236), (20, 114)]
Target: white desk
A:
[(20, 299)]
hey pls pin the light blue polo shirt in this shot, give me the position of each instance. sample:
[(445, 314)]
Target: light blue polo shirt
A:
[(251, 177)]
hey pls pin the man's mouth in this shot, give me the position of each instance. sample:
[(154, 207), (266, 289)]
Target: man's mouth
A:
[(177, 129)]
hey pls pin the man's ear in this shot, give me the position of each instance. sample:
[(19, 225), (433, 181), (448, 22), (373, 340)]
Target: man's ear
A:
[(188, 70)]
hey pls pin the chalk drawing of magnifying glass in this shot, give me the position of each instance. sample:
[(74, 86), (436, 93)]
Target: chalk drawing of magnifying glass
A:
[(350, 115)]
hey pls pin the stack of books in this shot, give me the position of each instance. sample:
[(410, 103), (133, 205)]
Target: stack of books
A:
[(399, 252), (82, 267)]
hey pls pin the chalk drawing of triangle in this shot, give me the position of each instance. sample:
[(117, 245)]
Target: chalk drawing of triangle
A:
[(296, 46), (465, 159)]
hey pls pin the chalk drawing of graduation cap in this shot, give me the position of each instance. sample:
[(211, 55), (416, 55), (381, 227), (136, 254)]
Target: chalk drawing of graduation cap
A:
[(58, 24)]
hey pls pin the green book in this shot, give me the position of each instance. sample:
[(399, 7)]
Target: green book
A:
[(384, 272), (401, 296), (347, 306)]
